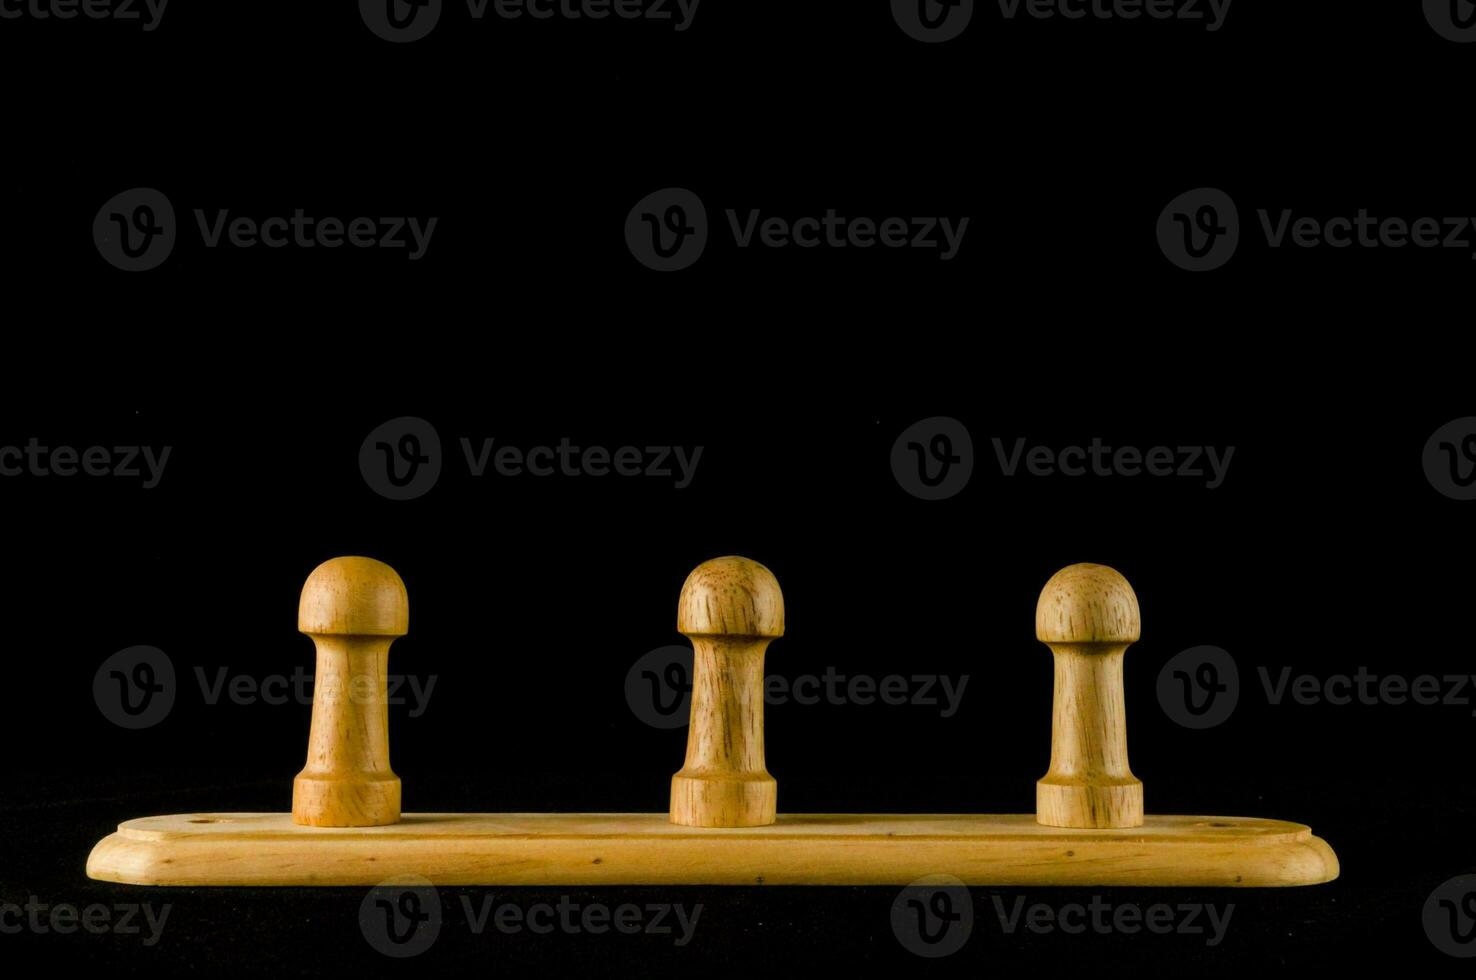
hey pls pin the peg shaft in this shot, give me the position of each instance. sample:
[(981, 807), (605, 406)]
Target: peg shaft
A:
[(353, 608), (731, 608), (1088, 616)]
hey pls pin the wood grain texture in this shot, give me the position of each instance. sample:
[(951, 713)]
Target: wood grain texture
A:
[(730, 608), (353, 608), (346, 827), (1088, 615), (647, 849)]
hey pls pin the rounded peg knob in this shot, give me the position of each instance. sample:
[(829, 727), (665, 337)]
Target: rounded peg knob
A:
[(730, 608), (733, 596), (1088, 615), (353, 597), (353, 608), (1087, 604)]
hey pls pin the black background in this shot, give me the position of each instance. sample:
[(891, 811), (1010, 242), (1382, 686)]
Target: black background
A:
[(1060, 321)]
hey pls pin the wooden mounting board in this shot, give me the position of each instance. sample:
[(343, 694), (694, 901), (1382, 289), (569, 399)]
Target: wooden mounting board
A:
[(646, 849)]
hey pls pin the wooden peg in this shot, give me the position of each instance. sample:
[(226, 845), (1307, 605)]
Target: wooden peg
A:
[(353, 608), (730, 608), (1088, 616)]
